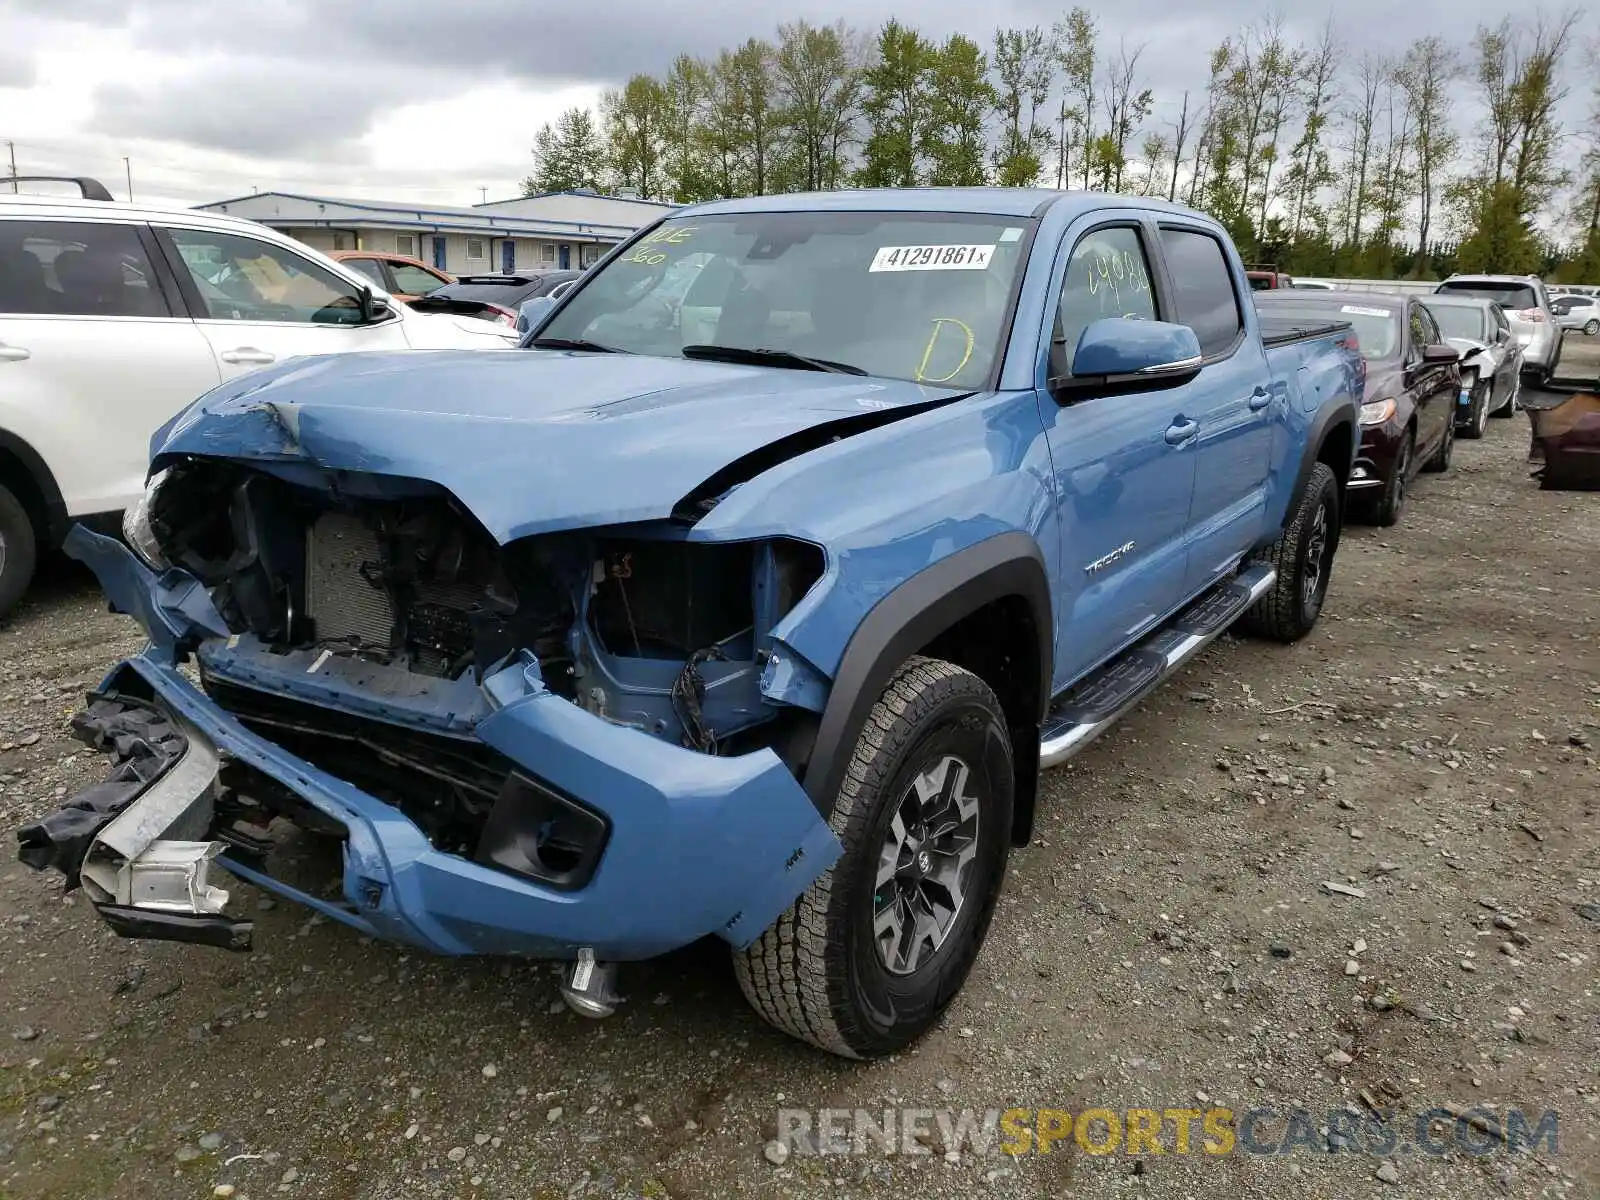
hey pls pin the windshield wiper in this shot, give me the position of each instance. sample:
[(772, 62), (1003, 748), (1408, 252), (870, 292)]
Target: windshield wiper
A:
[(555, 343), (769, 358)]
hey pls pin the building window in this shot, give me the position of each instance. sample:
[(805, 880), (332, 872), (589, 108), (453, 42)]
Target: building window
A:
[(477, 250), (405, 243), (591, 255), (549, 252)]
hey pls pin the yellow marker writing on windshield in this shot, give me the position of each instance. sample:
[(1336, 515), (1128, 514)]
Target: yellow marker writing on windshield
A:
[(938, 327)]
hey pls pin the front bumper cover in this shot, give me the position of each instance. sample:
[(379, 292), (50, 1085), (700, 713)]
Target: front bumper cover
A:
[(698, 844)]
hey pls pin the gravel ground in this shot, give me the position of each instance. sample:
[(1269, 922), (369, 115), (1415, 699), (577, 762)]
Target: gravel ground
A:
[(1169, 941)]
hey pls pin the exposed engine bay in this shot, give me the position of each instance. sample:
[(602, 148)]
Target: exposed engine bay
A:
[(637, 626)]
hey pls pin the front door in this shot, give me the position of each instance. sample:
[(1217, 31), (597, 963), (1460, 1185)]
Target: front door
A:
[(1124, 463), (566, 258), (95, 355), (259, 303), (508, 257), (1436, 386), (1237, 404), (439, 252)]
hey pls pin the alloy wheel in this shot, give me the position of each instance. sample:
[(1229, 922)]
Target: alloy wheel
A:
[(1318, 544), (924, 866)]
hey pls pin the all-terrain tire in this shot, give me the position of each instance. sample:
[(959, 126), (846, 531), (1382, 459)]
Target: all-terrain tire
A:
[(19, 551), (1303, 556), (819, 972)]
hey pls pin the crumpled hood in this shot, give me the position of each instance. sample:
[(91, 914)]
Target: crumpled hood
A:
[(530, 441)]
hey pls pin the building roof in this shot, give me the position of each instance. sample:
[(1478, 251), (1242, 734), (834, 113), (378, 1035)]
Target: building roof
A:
[(296, 209)]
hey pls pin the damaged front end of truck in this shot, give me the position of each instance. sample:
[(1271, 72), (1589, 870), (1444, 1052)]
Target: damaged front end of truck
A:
[(576, 743)]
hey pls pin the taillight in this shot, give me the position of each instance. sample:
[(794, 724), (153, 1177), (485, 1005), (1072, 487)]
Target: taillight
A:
[(1534, 315), (503, 315)]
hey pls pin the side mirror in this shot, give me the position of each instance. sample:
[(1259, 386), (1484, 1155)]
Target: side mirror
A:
[(373, 307), (1124, 350), (533, 311), (1440, 353)]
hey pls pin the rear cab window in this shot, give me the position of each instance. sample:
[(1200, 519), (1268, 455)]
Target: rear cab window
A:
[(1203, 293)]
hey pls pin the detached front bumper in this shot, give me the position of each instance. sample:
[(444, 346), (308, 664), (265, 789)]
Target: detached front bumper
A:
[(695, 844)]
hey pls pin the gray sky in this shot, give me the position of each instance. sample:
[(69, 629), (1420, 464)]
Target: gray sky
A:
[(431, 100)]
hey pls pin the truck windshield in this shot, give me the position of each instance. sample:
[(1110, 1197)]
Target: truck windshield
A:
[(918, 296)]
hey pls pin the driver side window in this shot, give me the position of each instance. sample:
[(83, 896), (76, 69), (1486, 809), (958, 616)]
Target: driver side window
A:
[(241, 279), (1107, 276)]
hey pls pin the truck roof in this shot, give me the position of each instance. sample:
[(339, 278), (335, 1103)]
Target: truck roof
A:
[(996, 201)]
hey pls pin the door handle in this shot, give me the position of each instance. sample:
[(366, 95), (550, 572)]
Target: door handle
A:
[(1259, 399), (13, 353), (247, 356), (1181, 431)]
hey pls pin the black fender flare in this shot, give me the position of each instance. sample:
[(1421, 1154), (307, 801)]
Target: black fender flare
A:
[(52, 515), (1332, 413), (907, 619)]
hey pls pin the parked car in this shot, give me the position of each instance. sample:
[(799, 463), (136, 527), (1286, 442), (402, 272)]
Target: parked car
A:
[(588, 652), (499, 298), (1527, 306), (1314, 285), (113, 317), (1491, 358), (403, 277), (1266, 279), (1412, 384), (1577, 312)]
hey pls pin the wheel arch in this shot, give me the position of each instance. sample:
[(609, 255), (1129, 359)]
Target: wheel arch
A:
[(1332, 438), (986, 608), (25, 473)]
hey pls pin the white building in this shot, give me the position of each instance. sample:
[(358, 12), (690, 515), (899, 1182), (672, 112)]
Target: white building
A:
[(553, 231)]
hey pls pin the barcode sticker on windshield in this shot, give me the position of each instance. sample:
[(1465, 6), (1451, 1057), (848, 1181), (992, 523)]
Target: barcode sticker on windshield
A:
[(1357, 310), (932, 258)]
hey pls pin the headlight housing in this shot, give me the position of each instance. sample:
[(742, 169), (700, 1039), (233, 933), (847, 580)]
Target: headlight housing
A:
[(136, 529), (1376, 412)]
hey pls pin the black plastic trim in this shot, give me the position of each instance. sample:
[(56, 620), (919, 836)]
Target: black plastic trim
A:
[(225, 933), (909, 618), (56, 521)]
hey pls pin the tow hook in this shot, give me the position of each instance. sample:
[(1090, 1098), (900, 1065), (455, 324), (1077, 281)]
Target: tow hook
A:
[(590, 987)]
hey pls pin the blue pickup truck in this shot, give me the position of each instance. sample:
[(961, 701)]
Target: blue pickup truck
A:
[(747, 599)]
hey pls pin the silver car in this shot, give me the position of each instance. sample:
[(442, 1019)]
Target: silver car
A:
[(1577, 312), (1491, 358), (1527, 306)]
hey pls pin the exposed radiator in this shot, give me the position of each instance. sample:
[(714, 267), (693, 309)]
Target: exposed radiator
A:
[(341, 602)]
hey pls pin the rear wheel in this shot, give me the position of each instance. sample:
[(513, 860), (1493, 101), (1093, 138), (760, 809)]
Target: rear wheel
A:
[(1591, 327), (869, 957), (1441, 457), (19, 551), (1303, 556)]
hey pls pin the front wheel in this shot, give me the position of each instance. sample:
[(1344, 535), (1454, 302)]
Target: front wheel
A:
[(872, 953), (19, 550), (1303, 556), (1591, 327), (1478, 410)]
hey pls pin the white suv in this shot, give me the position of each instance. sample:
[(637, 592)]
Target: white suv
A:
[(114, 317), (1527, 306)]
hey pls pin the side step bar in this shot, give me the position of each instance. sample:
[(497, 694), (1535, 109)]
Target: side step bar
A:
[(1095, 704)]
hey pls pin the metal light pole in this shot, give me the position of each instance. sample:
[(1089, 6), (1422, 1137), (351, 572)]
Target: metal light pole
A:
[(12, 147), (128, 167)]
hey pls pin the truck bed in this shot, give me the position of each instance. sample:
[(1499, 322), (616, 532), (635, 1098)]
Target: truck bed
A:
[(1282, 331)]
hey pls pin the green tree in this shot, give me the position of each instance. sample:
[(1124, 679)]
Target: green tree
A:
[(1077, 38), (1309, 173), (567, 154), (688, 173), (897, 99), (818, 82), (1126, 108), (1425, 75), (961, 98), (635, 120), (1024, 67)]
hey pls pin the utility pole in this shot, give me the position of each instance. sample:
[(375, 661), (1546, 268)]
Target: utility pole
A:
[(12, 147), (484, 192), (127, 166)]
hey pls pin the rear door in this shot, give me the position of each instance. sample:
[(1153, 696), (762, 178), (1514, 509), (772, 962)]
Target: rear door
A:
[(1123, 462), (257, 302), (1235, 401), (96, 352)]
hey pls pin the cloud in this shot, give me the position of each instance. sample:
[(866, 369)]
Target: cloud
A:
[(273, 108), (17, 68)]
